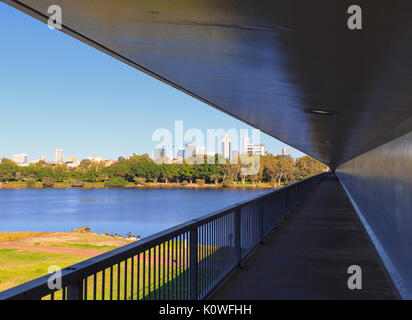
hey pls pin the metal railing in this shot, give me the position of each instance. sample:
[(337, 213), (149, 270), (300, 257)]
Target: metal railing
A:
[(185, 262)]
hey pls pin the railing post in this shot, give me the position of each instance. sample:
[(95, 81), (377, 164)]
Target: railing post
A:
[(238, 248), (261, 214), (75, 290), (193, 269)]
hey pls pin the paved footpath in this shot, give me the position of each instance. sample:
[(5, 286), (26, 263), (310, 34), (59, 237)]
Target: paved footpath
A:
[(309, 255)]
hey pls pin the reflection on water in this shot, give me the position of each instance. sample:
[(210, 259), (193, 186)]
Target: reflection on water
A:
[(139, 211)]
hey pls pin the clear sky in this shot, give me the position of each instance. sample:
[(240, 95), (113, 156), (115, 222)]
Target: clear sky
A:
[(57, 92)]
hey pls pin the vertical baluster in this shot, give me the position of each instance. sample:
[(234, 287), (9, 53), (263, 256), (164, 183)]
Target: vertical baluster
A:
[(185, 269), (164, 268), (215, 248), (238, 252), (158, 271), (144, 275), (138, 276), (206, 257), (94, 286), (202, 259), (177, 269), (168, 270), (193, 264), (209, 262), (187, 266), (154, 272), (118, 281), (174, 270), (149, 267), (125, 280), (86, 280), (111, 283), (219, 245), (64, 293), (132, 277), (103, 283)]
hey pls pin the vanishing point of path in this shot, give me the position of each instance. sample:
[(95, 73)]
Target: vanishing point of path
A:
[(308, 256)]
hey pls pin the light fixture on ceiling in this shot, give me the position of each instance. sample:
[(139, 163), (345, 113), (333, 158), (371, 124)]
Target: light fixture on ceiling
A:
[(321, 112)]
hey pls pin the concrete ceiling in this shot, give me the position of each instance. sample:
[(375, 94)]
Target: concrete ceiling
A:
[(267, 62)]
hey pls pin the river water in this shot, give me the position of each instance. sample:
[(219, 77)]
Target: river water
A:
[(139, 211)]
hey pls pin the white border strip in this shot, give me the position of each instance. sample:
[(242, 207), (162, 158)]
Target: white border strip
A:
[(393, 272)]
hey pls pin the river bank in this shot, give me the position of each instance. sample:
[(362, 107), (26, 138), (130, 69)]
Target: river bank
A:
[(149, 185), (25, 256)]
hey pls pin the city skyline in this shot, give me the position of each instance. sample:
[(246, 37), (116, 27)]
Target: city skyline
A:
[(111, 111), (24, 158)]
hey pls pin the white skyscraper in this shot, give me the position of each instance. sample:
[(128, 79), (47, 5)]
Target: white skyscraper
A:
[(226, 147), (21, 159), (258, 149), (190, 150), (58, 156), (285, 152), (246, 143), (200, 150)]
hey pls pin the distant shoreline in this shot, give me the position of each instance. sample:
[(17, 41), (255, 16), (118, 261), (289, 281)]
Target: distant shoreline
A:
[(158, 185)]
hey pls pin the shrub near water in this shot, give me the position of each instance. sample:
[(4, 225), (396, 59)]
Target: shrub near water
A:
[(116, 182), (77, 183), (30, 183), (48, 182), (139, 180)]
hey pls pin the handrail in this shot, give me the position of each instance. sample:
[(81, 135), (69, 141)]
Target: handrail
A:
[(209, 233)]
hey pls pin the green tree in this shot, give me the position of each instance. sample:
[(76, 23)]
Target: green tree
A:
[(8, 170)]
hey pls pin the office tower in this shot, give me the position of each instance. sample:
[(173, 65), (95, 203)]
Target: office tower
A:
[(159, 153), (180, 153), (256, 149), (200, 150), (246, 143), (21, 159), (72, 159), (58, 156), (190, 150), (285, 152), (234, 155), (226, 147), (95, 159)]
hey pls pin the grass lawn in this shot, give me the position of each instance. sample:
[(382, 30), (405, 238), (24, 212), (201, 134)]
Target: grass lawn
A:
[(160, 272), (19, 266)]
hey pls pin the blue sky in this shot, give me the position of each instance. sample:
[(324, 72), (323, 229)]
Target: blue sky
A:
[(57, 92)]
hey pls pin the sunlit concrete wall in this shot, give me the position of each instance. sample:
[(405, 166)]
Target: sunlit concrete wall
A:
[(380, 184)]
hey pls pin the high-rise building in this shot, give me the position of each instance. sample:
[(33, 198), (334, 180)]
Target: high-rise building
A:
[(226, 147), (72, 162), (200, 150), (235, 155), (95, 159), (256, 149), (72, 159), (180, 153), (246, 143), (190, 150), (159, 153), (58, 156), (285, 152), (21, 159)]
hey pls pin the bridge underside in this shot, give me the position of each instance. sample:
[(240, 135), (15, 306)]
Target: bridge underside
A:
[(272, 64), (308, 256)]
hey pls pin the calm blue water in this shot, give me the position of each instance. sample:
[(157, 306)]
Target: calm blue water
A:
[(139, 211)]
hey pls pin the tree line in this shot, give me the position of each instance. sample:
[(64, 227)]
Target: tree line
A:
[(141, 169)]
